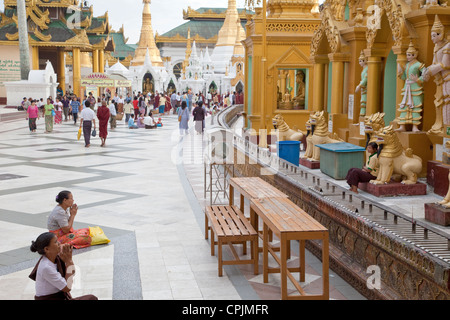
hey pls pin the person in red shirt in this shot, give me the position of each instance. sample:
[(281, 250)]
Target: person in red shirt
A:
[(136, 107)]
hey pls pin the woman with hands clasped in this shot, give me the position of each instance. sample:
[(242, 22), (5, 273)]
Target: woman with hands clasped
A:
[(55, 270), (60, 222)]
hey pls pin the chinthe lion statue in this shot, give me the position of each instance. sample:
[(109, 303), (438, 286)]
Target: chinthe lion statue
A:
[(373, 124), (393, 159), (285, 133), (320, 135)]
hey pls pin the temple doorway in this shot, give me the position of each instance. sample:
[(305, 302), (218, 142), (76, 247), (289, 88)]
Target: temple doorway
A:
[(148, 84), (171, 87), (239, 87), (212, 87)]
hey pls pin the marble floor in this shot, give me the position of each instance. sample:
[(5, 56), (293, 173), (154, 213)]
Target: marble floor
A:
[(145, 189)]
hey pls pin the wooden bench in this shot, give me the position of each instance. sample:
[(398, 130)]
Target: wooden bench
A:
[(289, 222), (230, 226)]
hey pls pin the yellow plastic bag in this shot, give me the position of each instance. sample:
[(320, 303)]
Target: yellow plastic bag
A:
[(98, 236), (79, 134)]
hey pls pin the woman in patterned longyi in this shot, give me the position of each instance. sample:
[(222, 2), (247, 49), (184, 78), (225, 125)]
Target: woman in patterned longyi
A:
[(60, 222)]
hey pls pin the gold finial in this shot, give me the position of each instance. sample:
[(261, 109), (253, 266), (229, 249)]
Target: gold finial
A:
[(438, 27), (412, 49), (362, 56)]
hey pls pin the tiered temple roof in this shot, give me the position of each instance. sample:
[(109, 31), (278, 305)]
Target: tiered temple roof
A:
[(58, 23), (204, 25)]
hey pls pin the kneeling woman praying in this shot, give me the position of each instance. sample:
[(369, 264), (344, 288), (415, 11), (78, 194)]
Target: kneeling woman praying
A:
[(60, 222)]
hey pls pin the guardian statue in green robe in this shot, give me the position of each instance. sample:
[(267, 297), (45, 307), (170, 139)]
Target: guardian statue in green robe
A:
[(411, 106)]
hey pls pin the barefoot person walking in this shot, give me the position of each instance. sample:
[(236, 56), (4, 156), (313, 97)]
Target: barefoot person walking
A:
[(103, 115), (87, 118)]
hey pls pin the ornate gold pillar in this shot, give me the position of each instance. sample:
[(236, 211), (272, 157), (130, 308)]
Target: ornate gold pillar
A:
[(319, 83), (337, 80), (61, 69), (95, 61), (283, 83), (373, 82), (101, 61), (76, 66), (35, 58)]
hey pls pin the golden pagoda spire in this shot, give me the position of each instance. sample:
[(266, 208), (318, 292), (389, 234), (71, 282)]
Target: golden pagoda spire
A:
[(239, 49), (188, 51), (227, 34), (147, 40)]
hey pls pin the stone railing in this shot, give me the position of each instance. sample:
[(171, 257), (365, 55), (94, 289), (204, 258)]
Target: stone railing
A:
[(228, 116)]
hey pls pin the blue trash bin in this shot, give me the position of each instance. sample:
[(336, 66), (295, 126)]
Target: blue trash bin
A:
[(289, 151)]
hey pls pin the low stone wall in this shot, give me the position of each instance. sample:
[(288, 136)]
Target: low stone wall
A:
[(228, 116), (356, 244)]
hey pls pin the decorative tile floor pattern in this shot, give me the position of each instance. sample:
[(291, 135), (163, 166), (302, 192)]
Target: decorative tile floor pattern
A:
[(145, 189)]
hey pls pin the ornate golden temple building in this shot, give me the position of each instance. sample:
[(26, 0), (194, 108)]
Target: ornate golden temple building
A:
[(356, 59), (56, 28), (202, 27), (278, 68)]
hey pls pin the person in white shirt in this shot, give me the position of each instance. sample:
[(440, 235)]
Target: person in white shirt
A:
[(87, 119), (113, 112), (149, 122), (55, 270)]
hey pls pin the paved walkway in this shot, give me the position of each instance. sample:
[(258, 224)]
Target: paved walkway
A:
[(145, 190)]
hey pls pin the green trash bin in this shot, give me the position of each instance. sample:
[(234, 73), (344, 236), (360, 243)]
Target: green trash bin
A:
[(336, 159)]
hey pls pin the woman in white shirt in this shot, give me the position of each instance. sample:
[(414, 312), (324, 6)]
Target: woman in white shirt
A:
[(55, 270)]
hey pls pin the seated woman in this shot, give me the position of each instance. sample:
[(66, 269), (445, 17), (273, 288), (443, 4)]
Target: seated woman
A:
[(367, 173), (60, 222), (55, 270), (140, 121)]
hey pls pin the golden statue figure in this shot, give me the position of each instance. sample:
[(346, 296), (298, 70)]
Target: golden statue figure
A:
[(362, 86), (440, 69), (299, 100), (148, 86)]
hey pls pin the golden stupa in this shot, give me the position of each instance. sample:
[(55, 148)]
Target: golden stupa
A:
[(147, 41)]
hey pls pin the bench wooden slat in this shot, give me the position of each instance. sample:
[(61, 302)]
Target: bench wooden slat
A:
[(221, 223), (227, 216), (287, 216), (237, 221), (255, 187), (229, 221), (230, 226)]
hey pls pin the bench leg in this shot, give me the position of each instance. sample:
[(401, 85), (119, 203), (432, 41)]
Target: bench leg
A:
[(254, 244), (283, 268), (302, 261), (220, 256), (265, 254), (206, 226), (212, 242)]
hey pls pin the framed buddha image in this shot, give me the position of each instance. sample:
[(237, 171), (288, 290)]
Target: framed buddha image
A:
[(292, 89)]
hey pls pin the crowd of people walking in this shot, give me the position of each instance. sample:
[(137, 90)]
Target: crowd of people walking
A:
[(138, 110)]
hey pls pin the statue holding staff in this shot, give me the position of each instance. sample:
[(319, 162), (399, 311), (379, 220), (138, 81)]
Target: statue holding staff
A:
[(411, 106)]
